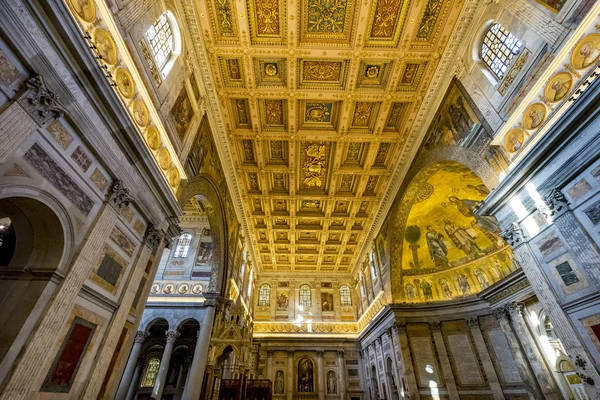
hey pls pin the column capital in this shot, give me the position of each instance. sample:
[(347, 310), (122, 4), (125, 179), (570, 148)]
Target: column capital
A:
[(513, 235), (500, 313), (340, 353), (290, 353), (401, 327), (435, 326), (319, 353), (39, 102), (554, 203), (118, 195), (270, 353), (211, 299), (152, 237), (140, 336), (473, 322), (516, 308), (171, 336)]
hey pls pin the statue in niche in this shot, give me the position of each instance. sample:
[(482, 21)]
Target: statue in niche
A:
[(438, 251), (331, 383), (305, 376), (279, 387)]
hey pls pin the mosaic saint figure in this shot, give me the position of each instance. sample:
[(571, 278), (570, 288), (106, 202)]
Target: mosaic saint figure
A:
[(410, 292), (427, 293), (482, 278), (462, 239), (463, 284), (438, 251), (446, 291)]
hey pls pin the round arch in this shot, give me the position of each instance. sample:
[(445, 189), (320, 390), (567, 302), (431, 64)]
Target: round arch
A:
[(421, 170), (149, 324), (206, 190)]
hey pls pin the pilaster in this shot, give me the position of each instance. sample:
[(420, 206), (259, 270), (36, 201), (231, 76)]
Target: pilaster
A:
[(436, 329), (486, 361)]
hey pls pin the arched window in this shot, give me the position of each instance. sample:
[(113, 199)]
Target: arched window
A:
[(305, 296), (362, 285), (165, 42), (345, 297), (373, 265), (150, 373), (264, 295), (183, 245), (498, 49)]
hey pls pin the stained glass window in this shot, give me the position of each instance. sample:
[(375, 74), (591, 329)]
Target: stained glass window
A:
[(160, 38), (305, 296), (264, 295), (498, 49), (150, 372), (183, 245), (345, 298)]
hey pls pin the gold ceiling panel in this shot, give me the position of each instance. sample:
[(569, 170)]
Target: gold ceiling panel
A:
[(318, 97)]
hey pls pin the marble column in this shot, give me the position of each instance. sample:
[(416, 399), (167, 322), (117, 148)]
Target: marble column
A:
[(436, 329), (536, 360), (196, 374), (523, 366), (411, 379), (320, 373), (486, 361), (342, 374), (290, 375), (130, 368), (161, 376), (135, 381), (270, 374)]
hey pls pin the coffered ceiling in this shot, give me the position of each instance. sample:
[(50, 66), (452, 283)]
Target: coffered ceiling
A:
[(318, 98)]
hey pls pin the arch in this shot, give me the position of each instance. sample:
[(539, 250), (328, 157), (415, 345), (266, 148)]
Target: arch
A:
[(37, 238), (184, 320), (154, 321), (305, 295), (306, 375), (422, 169), (164, 40), (206, 190), (264, 295), (391, 378)]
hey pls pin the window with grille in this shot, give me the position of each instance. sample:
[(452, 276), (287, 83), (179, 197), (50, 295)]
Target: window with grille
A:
[(150, 373), (183, 245), (264, 295), (345, 298), (305, 296), (498, 49), (160, 38)]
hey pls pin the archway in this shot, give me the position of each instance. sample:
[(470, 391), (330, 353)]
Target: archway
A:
[(205, 191), (442, 250), (32, 244), (306, 382)]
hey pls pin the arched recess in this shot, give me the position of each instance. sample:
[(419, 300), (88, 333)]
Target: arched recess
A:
[(206, 191), (36, 239), (423, 169)]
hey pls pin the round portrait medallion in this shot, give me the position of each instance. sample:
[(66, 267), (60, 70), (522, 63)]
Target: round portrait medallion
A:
[(586, 52), (558, 87), (153, 138), (140, 113), (534, 115), (197, 289), (85, 10), (173, 177), (514, 140), (105, 46), (183, 288), (124, 82), (164, 158)]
